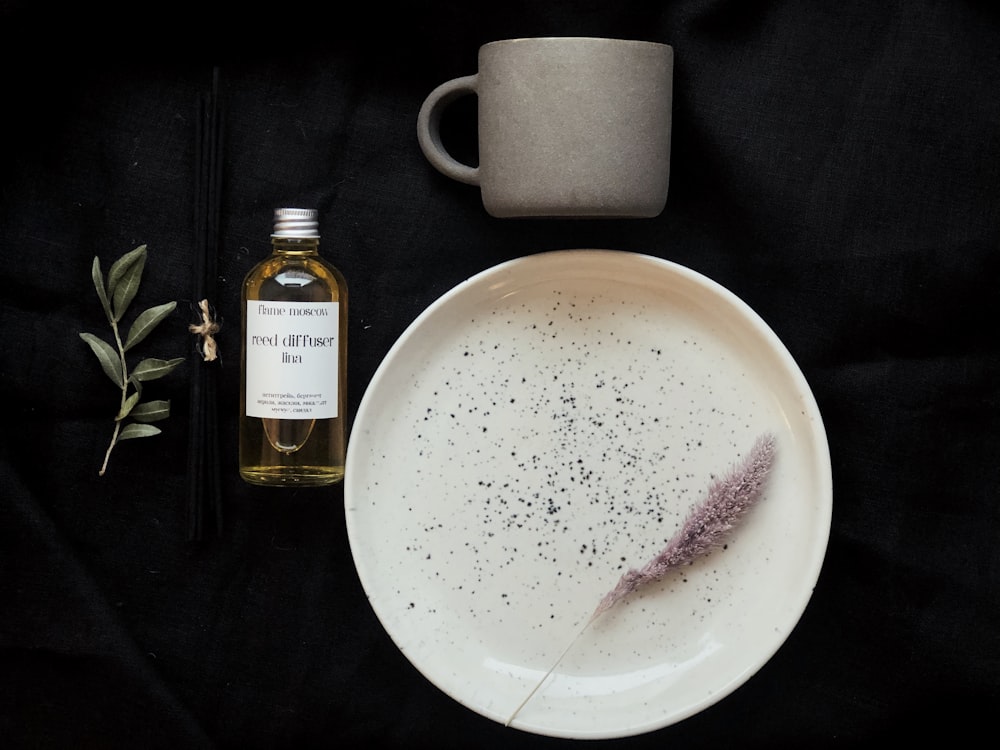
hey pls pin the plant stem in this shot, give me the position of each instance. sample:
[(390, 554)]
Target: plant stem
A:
[(107, 455), (118, 421), (551, 669)]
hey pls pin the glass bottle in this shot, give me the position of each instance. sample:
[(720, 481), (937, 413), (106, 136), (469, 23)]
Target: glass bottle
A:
[(294, 361)]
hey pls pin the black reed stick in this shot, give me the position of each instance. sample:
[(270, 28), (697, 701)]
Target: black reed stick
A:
[(204, 503)]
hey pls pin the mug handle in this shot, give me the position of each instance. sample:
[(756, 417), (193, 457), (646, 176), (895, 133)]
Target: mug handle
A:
[(429, 129)]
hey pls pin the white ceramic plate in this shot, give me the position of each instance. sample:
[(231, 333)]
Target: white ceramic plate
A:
[(542, 427)]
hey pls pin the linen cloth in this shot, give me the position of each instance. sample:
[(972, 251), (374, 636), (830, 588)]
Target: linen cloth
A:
[(837, 166)]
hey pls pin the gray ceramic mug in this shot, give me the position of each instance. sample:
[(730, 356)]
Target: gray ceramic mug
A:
[(568, 127)]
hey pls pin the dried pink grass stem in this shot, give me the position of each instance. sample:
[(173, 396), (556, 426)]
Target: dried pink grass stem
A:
[(727, 502)]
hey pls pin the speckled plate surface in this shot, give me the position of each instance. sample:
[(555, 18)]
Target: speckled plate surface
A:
[(542, 427)]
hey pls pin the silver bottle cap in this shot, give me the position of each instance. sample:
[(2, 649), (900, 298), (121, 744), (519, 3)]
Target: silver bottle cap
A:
[(296, 222)]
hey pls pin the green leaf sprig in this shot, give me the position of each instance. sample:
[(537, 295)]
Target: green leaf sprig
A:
[(116, 295)]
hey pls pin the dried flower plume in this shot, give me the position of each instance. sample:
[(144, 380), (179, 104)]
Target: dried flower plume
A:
[(727, 501), (707, 527)]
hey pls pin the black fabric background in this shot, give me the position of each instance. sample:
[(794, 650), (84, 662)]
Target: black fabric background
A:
[(837, 166)]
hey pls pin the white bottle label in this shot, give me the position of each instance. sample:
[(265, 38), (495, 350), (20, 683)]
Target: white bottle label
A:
[(292, 353)]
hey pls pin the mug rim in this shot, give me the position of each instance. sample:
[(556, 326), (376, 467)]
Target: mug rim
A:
[(602, 39)]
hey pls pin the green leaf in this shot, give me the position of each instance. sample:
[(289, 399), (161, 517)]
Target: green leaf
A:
[(153, 369), (134, 430), (146, 322), (95, 272), (110, 362), (124, 278), (130, 402), (151, 411), (122, 265)]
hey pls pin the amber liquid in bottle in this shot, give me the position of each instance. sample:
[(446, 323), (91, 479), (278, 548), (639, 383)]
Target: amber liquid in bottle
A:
[(299, 451)]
